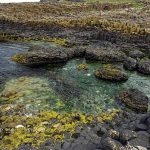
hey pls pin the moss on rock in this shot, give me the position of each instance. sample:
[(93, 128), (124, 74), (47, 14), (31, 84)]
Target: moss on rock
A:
[(82, 67), (19, 58), (111, 73)]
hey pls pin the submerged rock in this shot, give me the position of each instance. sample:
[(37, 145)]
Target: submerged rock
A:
[(111, 144), (134, 99), (144, 66), (111, 73), (130, 64), (36, 93)]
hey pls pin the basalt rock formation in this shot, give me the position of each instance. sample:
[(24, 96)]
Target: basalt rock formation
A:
[(144, 66), (111, 73), (134, 99)]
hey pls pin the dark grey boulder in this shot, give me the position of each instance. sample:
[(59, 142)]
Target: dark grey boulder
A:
[(66, 145), (113, 134), (143, 139), (141, 127), (26, 147), (130, 64), (126, 135), (41, 55), (99, 131), (134, 99), (144, 66), (106, 55), (136, 54), (81, 145), (110, 144), (144, 118), (148, 121)]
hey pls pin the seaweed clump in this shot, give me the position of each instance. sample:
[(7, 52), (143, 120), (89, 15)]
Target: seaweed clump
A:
[(82, 67), (110, 73), (19, 58)]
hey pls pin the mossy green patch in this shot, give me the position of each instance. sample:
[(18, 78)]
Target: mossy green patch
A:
[(82, 67), (19, 58)]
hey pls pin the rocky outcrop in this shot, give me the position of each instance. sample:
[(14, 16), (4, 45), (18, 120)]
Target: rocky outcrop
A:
[(41, 56), (36, 56), (130, 64), (111, 73), (144, 66), (103, 54), (134, 99), (136, 54), (111, 144)]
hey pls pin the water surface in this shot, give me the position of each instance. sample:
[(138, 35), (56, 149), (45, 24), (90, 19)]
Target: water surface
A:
[(62, 87)]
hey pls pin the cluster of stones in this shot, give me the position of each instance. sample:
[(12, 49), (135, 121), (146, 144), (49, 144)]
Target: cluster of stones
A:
[(21, 126), (137, 60), (40, 55), (131, 132)]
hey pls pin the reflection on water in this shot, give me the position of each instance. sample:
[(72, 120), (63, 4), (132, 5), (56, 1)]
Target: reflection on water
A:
[(62, 87)]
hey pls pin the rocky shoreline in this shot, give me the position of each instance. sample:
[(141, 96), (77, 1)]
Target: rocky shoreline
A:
[(100, 37)]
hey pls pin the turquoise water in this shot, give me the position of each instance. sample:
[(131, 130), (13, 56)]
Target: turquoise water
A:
[(96, 94), (62, 87)]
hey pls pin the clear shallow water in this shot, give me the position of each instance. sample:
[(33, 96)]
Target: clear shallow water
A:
[(63, 87), (8, 68), (99, 94)]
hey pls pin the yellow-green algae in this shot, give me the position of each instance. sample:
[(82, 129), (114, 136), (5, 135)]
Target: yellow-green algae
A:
[(19, 58), (82, 67), (112, 71), (42, 126), (9, 37)]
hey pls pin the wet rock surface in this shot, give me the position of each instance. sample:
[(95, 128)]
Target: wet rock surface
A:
[(136, 54), (111, 73), (40, 55), (130, 64), (134, 99), (105, 54), (144, 66)]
